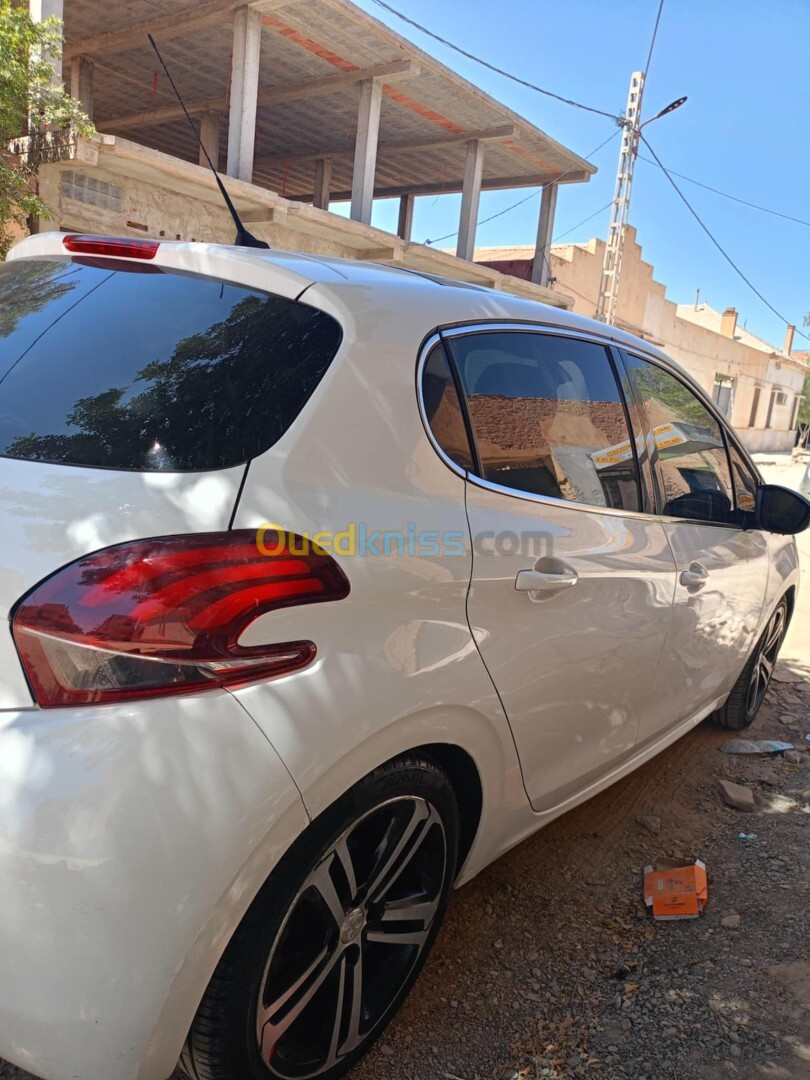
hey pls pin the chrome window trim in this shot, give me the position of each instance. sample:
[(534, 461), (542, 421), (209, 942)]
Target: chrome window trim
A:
[(487, 485)]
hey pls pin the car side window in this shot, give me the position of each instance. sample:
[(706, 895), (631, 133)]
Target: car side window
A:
[(547, 416), (745, 481), (687, 442), (443, 409)]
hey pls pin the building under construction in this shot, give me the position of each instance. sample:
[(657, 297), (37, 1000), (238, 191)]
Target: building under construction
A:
[(302, 103)]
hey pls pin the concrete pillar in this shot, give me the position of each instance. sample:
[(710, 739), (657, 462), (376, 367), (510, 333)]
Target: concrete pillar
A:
[(470, 195), (81, 83), (323, 183), (365, 150), (210, 124), (405, 223), (40, 10), (247, 39), (541, 268)]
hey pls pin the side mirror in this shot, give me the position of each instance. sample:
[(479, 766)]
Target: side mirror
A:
[(781, 510)]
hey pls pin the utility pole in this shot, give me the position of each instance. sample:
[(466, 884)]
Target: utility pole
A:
[(620, 208)]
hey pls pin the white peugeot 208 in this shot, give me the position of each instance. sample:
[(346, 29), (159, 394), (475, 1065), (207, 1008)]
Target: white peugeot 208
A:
[(324, 584)]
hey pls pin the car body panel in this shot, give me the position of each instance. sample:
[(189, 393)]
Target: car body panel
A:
[(134, 837), (714, 625), (126, 832), (563, 660)]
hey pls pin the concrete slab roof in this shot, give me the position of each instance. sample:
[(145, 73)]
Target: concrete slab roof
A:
[(313, 55)]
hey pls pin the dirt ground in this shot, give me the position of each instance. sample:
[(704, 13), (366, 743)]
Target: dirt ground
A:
[(549, 965)]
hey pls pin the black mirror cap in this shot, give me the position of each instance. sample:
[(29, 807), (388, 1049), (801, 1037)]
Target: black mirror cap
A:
[(781, 510)]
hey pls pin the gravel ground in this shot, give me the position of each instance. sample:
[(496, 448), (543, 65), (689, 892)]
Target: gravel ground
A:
[(549, 965)]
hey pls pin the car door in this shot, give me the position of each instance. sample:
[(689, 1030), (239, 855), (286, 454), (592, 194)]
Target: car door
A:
[(705, 492), (572, 584)]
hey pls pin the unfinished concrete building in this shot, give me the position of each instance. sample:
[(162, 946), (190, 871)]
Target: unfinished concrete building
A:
[(302, 103)]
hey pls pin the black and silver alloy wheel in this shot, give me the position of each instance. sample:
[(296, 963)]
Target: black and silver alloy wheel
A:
[(336, 937), (748, 692), (351, 938), (765, 659)]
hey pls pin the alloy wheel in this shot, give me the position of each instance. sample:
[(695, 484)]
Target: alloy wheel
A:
[(765, 660), (352, 936)]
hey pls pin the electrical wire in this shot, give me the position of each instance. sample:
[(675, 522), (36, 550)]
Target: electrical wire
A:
[(716, 242), (492, 67), (531, 195), (654, 35), (725, 194)]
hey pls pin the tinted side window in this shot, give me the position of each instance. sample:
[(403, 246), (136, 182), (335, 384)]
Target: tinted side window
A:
[(692, 463), (547, 417), (443, 409), (125, 367), (745, 482)]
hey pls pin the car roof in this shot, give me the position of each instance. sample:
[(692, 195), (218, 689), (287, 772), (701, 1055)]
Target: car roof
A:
[(463, 302)]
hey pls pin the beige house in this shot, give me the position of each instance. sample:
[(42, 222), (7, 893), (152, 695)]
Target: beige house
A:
[(757, 385)]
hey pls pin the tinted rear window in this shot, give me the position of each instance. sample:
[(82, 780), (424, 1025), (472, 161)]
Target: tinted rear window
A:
[(154, 371)]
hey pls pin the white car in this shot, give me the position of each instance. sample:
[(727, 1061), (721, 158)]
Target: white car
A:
[(325, 584)]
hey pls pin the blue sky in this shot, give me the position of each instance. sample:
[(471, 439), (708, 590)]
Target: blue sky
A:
[(745, 67)]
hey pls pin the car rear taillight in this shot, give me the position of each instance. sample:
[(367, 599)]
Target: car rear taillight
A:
[(110, 246), (164, 616)]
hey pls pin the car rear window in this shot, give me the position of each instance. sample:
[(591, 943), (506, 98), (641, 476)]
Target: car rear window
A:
[(132, 367)]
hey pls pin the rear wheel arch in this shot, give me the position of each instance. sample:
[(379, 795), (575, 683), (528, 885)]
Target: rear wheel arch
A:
[(465, 779)]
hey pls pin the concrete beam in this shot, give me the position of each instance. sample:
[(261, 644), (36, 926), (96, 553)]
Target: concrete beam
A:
[(323, 182), (541, 268), (470, 195), (435, 142), (210, 125), (247, 37), (365, 151), (81, 83), (332, 84), (179, 24), (436, 187), (405, 223)]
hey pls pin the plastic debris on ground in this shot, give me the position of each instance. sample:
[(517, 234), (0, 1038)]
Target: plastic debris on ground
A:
[(747, 837), (755, 746), (676, 891)]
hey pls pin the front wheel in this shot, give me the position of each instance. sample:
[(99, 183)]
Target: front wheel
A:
[(749, 690), (336, 937)]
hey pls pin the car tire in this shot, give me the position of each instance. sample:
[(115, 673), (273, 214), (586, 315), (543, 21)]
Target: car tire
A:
[(327, 951), (744, 701)]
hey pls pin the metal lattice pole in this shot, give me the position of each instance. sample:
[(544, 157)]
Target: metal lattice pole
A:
[(612, 264)]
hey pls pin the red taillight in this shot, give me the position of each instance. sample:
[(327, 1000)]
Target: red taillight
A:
[(111, 246), (164, 616)]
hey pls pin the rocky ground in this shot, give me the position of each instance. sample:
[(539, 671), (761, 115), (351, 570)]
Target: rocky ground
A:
[(550, 966)]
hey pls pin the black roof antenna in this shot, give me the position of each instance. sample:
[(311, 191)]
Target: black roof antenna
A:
[(243, 237)]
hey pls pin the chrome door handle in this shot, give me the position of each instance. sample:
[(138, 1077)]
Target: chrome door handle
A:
[(538, 580), (695, 577)]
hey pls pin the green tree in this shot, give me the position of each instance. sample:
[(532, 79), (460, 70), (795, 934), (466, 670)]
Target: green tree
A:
[(31, 103)]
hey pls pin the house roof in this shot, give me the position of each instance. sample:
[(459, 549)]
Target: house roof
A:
[(709, 319), (312, 52)]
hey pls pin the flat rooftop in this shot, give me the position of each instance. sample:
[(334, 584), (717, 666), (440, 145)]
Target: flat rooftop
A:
[(314, 55)]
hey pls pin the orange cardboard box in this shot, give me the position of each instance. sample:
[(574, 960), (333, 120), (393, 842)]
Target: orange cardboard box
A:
[(676, 892)]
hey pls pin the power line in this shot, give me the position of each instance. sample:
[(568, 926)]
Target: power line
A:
[(492, 67), (734, 198), (654, 35), (716, 242), (584, 221), (527, 198)]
